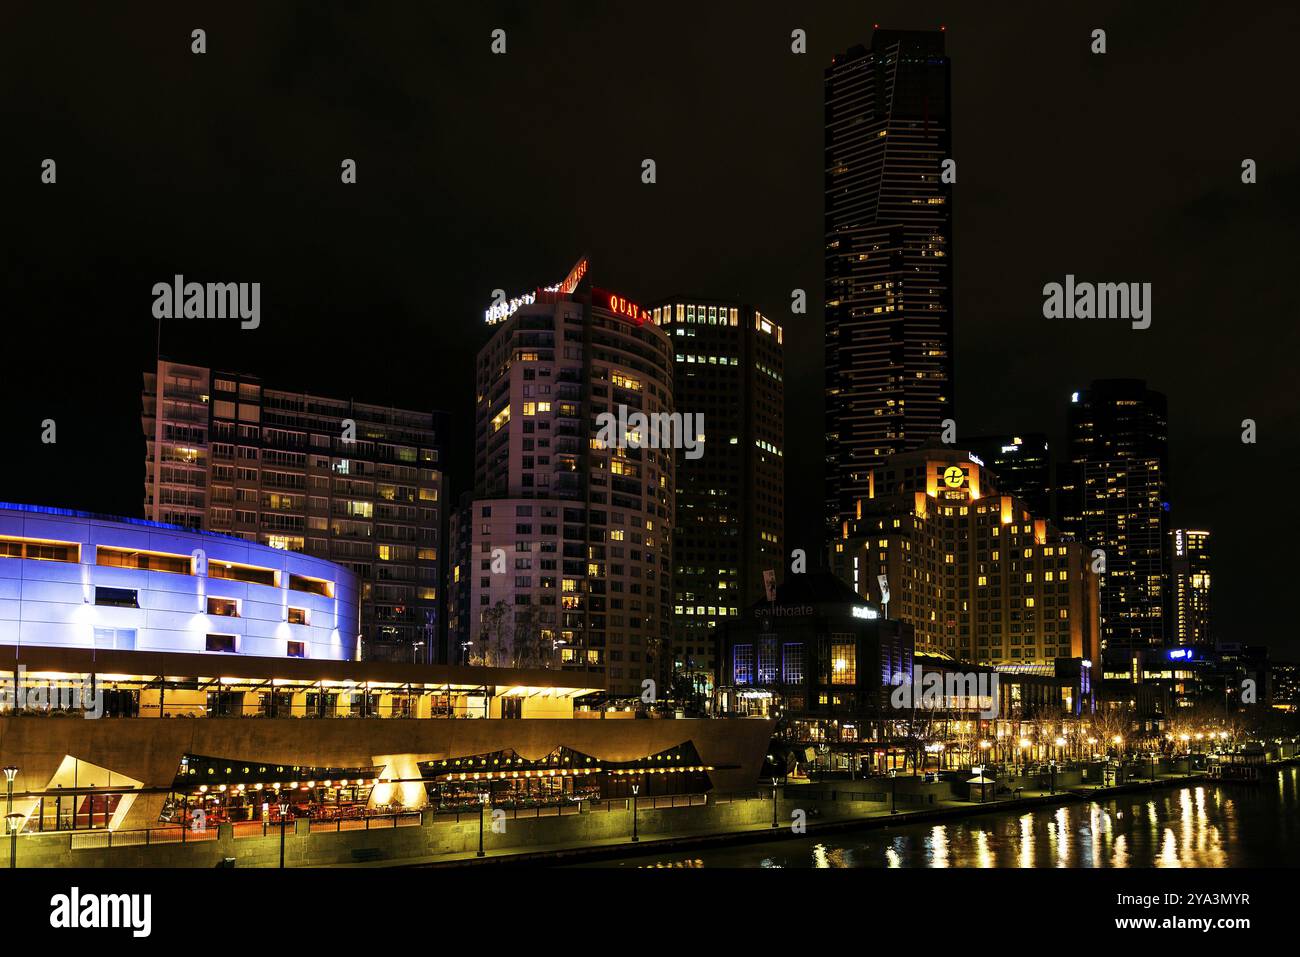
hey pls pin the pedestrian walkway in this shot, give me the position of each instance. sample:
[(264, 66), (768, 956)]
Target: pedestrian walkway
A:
[(825, 819)]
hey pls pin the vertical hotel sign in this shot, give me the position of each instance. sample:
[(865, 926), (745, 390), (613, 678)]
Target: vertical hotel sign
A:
[(620, 306), (504, 309), (574, 277)]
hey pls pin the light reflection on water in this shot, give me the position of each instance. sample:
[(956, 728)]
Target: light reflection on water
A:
[(1194, 826)]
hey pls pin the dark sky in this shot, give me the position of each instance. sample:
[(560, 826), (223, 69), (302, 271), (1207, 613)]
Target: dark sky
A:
[(479, 171)]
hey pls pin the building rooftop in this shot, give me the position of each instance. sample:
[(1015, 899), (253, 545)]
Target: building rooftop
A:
[(101, 517)]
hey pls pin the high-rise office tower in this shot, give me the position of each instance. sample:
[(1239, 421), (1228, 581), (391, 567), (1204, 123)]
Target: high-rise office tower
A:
[(729, 367), (1189, 582), (889, 317), (1114, 497), (565, 545), (356, 483), (1023, 465)]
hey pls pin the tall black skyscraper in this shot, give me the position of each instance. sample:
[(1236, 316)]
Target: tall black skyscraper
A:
[(889, 322), (1022, 463), (1114, 496), (729, 367)]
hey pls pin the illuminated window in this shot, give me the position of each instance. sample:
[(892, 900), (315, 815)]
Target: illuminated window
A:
[(226, 607), (791, 655), (241, 573), (154, 561), (743, 664), (844, 664), (299, 616), (314, 586)]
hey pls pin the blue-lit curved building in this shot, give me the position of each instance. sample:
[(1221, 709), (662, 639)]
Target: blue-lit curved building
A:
[(78, 580)]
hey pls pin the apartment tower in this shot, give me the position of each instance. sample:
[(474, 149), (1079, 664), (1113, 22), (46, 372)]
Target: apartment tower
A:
[(355, 483), (565, 544)]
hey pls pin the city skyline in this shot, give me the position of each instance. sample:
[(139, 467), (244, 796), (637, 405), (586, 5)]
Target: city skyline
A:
[(321, 298), (452, 440)]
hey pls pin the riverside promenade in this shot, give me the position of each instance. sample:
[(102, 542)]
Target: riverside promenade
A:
[(828, 807), (606, 829)]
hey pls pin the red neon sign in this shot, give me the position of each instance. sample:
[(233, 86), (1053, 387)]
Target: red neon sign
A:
[(621, 306), (574, 277)]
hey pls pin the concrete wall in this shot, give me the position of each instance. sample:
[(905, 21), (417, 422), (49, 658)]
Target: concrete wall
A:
[(149, 750), (430, 839)]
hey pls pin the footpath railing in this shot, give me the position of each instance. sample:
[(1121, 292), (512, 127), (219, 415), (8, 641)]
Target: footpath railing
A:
[(175, 834), (876, 797)]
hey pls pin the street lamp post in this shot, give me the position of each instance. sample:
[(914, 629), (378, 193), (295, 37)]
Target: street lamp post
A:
[(984, 760), (893, 790), (13, 821), (11, 772), (1051, 767), (482, 803), (774, 780), (284, 816), (636, 788)]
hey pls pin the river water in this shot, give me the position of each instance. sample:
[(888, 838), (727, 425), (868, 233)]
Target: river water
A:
[(1200, 825)]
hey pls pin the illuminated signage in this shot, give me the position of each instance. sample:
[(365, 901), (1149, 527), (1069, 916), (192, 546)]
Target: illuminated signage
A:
[(506, 308), (620, 306), (953, 476), (862, 611), (573, 278), (500, 311), (1178, 541), (975, 458), (1179, 654)]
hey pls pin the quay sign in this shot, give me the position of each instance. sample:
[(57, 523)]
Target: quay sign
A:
[(620, 306)]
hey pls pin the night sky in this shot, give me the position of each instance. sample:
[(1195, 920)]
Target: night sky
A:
[(478, 171)]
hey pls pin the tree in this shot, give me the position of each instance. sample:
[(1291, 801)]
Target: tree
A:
[(494, 636), (526, 649), (1112, 720)]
